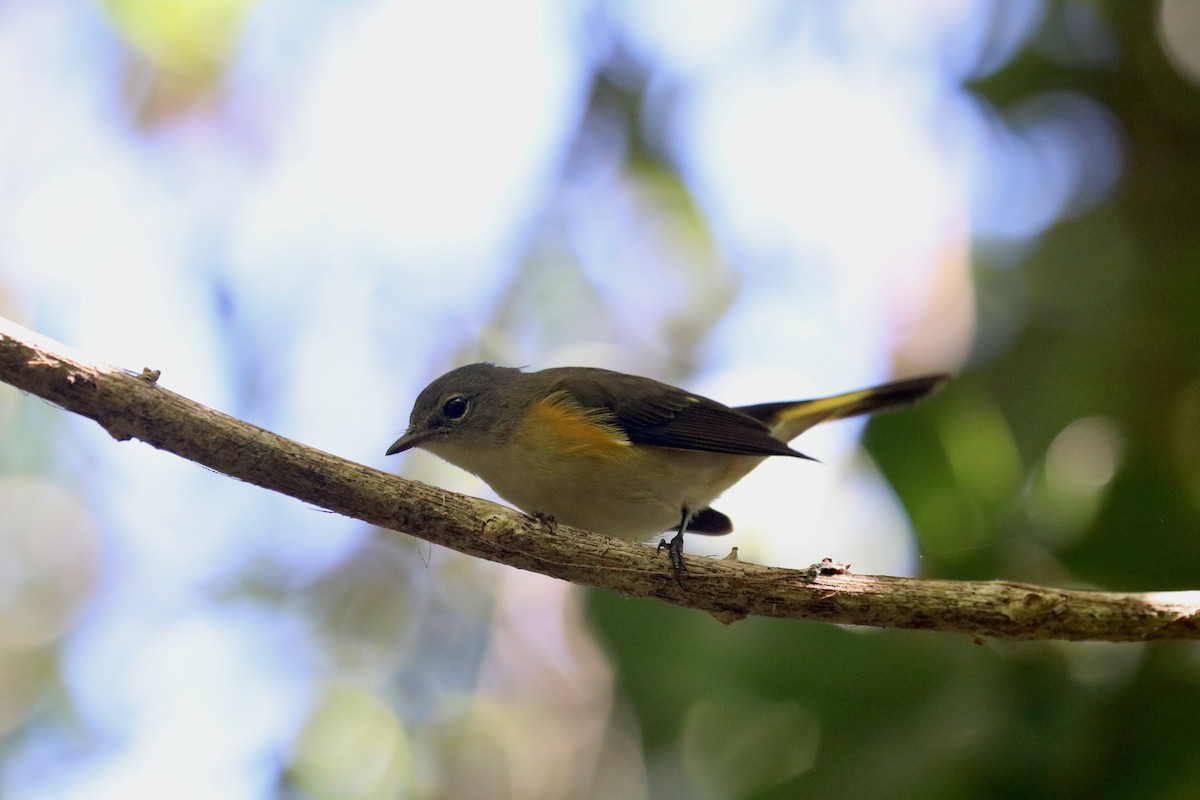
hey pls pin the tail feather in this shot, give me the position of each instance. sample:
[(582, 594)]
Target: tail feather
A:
[(790, 419)]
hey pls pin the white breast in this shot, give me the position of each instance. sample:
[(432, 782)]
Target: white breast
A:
[(635, 495)]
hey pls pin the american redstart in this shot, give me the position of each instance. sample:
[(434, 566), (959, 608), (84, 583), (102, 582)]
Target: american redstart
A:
[(615, 453)]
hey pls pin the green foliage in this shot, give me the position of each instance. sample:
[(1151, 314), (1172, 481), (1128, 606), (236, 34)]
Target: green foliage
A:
[(1067, 452)]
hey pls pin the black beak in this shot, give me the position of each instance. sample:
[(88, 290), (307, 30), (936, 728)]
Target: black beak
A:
[(408, 441)]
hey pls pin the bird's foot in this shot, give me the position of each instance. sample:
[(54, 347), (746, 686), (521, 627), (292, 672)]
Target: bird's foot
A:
[(674, 550)]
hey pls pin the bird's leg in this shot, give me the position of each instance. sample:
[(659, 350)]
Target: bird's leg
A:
[(546, 519), (674, 548)]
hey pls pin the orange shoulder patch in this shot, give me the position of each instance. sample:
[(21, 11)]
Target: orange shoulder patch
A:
[(565, 426)]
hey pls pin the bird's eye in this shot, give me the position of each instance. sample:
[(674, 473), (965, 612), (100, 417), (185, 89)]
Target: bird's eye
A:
[(455, 407)]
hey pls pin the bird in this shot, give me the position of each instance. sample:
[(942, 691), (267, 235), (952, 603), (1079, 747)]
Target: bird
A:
[(615, 453)]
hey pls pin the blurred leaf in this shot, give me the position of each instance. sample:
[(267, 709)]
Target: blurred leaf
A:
[(354, 747), (184, 36)]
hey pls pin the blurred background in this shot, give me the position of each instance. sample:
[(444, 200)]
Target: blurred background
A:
[(303, 211)]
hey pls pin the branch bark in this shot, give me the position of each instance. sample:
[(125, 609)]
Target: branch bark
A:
[(132, 406)]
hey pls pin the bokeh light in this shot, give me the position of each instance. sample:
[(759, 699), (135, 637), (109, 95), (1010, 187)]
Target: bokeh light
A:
[(301, 212)]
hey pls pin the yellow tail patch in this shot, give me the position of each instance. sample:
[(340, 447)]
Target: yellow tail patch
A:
[(790, 420), (826, 408)]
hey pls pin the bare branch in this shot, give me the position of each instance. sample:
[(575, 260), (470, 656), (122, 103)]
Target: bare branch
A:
[(130, 406)]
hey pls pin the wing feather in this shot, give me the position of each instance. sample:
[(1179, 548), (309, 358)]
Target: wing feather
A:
[(653, 413)]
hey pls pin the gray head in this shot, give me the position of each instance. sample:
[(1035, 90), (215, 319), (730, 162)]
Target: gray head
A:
[(468, 403)]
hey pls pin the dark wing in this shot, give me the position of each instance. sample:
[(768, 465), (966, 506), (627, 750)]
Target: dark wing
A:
[(649, 412)]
